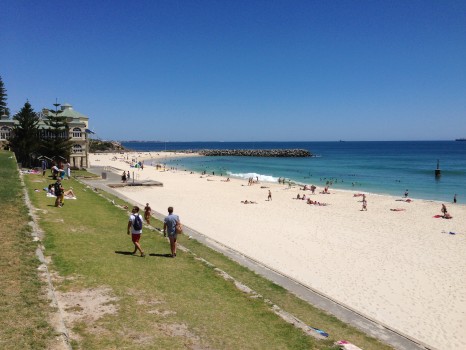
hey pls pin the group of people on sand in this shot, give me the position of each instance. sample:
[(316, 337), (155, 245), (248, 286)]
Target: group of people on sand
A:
[(312, 188), (309, 201), (171, 228)]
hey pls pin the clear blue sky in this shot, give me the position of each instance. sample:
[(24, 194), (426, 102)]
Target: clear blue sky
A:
[(233, 70)]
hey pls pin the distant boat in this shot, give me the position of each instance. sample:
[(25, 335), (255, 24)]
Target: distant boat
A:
[(463, 139)]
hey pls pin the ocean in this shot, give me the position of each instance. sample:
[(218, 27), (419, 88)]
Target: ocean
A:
[(383, 167)]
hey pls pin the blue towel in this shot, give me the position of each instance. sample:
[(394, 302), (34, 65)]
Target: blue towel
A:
[(321, 332)]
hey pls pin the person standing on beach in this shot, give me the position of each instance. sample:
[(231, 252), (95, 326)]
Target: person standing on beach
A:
[(135, 227), (454, 198), (169, 227), (147, 212), (269, 198)]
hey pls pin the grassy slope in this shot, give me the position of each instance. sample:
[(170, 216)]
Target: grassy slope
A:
[(157, 295), (23, 307)]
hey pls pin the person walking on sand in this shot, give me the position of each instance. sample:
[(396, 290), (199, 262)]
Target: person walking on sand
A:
[(364, 205), (169, 227), (269, 198), (147, 212), (135, 227), (454, 198)]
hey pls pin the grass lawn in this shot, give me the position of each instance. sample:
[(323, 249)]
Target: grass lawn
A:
[(114, 300), (23, 306)]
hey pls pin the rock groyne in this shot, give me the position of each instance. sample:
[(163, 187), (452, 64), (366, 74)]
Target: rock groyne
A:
[(256, 152)]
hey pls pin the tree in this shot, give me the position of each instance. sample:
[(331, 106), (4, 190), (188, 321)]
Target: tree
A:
[(25, 141), (3, 97), (56, 139)]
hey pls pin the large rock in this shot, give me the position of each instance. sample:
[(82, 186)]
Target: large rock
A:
[(256, 152)]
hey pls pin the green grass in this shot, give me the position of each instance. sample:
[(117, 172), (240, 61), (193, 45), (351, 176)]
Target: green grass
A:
[(23, 307), (162, 302)]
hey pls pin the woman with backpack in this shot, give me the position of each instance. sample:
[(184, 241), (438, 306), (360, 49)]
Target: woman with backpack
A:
[(135, 227)]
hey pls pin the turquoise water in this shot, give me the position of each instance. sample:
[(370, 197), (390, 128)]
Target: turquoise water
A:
[(378, 167)]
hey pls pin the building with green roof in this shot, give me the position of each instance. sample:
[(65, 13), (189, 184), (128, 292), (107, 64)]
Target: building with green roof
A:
[(78, 128)]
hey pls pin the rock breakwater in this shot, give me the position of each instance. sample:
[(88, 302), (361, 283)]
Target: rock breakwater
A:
[(256, 152)]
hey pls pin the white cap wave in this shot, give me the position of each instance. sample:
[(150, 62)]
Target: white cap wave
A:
[(266, 178)]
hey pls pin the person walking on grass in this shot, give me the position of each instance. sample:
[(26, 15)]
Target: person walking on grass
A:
[(169, 227), (147, 212), (59, 193), (135, 227)]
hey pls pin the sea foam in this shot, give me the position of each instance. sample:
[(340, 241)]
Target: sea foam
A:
[(266, 178)]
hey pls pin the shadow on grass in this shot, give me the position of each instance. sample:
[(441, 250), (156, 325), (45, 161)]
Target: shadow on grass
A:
[(161, 255), (153, 254), (123, 253)]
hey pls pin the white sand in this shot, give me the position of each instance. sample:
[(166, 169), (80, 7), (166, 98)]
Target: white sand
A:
[(402, 269)]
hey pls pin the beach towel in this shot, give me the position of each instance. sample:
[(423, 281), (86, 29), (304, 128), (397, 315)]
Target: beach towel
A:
[(346, 345), (437, 216), (321, 332)]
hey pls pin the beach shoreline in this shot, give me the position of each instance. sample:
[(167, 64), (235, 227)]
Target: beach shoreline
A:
[(398, 268)]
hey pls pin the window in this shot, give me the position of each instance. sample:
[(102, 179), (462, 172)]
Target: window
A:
[(5, 133), (77, 132), (77, 149)]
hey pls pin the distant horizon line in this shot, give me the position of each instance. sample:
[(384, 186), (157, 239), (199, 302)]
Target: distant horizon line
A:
[(158, 141)]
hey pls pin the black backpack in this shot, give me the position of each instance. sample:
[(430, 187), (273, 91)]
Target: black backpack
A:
[(137, 223)]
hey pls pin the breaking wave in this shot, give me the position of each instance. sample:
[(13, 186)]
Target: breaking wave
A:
[(266, 178)]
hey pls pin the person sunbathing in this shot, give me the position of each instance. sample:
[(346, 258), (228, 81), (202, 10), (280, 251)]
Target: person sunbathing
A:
[(69, 193), (248, 202), (50, 190), (398, 209)]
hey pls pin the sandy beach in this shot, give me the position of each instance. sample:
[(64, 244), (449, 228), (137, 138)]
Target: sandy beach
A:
[(405, 269)]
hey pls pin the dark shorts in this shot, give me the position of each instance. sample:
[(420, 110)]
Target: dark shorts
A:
[(135, 237)]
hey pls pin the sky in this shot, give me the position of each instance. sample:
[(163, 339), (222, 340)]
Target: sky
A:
[(242, 70)]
